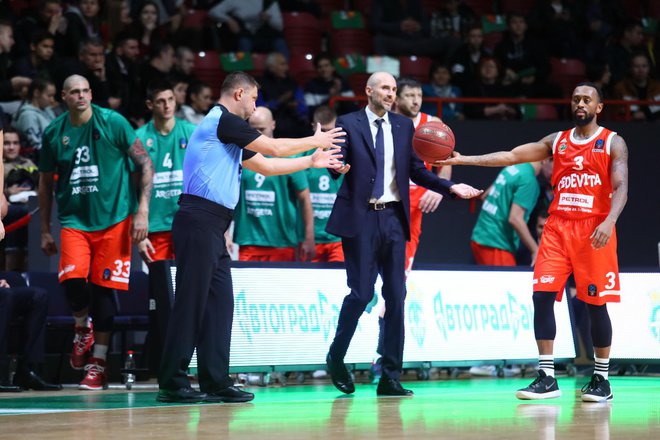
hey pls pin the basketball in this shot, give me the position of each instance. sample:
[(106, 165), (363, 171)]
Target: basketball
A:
[(433, 141)]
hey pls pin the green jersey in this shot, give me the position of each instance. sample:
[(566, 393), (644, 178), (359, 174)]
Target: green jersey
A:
[(167, 153), (323, 191), (514, 184), (93, 190), (266, 214)]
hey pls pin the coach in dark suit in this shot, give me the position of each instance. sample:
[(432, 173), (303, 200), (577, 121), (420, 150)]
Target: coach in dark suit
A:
[(372, 215)]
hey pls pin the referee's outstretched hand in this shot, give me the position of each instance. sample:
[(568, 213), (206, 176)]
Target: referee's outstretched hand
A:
[(330, 138), (330, 158)]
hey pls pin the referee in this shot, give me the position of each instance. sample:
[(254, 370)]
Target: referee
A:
[(204, 304)]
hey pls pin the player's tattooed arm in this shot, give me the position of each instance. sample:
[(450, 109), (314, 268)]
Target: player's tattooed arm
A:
[(619, 172), (530, 152), (141, 159), (619, 176)]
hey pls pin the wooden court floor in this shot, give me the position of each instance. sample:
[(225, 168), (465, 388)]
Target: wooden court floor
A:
[(441, 409)]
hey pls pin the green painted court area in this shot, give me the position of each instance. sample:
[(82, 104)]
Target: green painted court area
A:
[(460, 408)]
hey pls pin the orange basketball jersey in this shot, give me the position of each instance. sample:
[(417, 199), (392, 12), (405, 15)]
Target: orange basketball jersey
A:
[(581, 178)]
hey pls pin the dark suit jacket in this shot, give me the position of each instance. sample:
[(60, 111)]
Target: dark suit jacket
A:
[(351, 205)]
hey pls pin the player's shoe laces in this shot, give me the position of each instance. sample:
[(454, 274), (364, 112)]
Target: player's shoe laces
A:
[(95, 379), (543, 387), (597, 390), (82, 345)]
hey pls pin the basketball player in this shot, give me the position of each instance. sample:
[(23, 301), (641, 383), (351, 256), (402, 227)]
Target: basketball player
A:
[(590, 181), (90, 148), (165, 139)]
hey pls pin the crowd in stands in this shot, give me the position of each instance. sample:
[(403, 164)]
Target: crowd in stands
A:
[(305, 52)]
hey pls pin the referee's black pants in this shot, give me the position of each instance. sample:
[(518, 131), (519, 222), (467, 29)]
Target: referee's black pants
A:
[(204, 301)]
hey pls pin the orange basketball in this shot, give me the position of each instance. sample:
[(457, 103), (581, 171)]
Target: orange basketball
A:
[(433, 141)]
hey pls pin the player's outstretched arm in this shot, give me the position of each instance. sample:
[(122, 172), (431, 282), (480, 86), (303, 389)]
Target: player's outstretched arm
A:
[(531, 152), (619, 173), (289, 147)]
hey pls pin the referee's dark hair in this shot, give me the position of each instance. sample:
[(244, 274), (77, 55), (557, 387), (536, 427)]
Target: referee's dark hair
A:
[(236, 80)]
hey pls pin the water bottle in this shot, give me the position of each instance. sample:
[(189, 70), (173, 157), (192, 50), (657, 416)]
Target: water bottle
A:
[(129, 367)]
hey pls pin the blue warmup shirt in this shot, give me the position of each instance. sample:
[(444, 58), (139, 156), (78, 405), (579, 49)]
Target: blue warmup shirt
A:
[(212, 166)]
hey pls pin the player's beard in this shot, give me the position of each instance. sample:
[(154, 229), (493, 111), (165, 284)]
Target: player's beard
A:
[(583, 122)]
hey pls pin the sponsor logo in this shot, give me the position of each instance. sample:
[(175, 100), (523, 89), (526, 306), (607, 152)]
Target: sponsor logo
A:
[(106, 274), (580, 200), (506, 316), (83, 173), (65, 140), (576, 180), (489, 208), (68, 268), (322, 214), (84, 189), (259, 212), (546, 279), (323, 198), (599, 147), (183, 143), (260, 196), (592, 290), (150, 142), (654, 319), (562, 147), (167, 194), (168, 177)]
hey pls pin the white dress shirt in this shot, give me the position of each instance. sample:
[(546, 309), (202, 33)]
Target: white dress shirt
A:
[(391, 190)]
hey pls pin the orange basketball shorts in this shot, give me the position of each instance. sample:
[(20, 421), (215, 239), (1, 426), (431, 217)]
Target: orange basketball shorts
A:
[(163, 245), (103, 257), (329, 252), (566, 247)]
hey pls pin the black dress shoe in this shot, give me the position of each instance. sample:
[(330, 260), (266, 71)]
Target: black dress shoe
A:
[(230, 394), (392, 387), (340, 376), (182, 395), (31, 380), (4, 388)]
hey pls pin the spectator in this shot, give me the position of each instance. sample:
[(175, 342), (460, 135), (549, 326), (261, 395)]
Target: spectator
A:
[(122, 73), (184, 63), (10, 86), (451, 24), (180, 89), (599, 74), (465, 65), (36, 112), (145, 27), (402, 28), (161, 62), (30, 303), (618, 54), (38, 64), (199, 97), (280, 93), (21, 179), (555, 24), (48, 17), (440, 86), (265, 225), (83, 22), (638, 85), (489, 85), (524, 62), (327, 84), (257, 25)]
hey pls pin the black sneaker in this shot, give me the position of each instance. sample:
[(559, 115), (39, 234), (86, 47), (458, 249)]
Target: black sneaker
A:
[(597, 390), (543, 387), (182, 395)]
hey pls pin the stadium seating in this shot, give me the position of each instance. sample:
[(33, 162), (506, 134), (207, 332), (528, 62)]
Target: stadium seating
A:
[(415, 67), (567, 72), (302, 32), (349, 41)]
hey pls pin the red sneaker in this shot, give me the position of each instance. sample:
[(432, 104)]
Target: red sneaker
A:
[(95, 379), (82, 346)]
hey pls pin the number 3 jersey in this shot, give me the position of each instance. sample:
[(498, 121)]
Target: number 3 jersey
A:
[(93, 189), (167, 153), (581, 178)]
